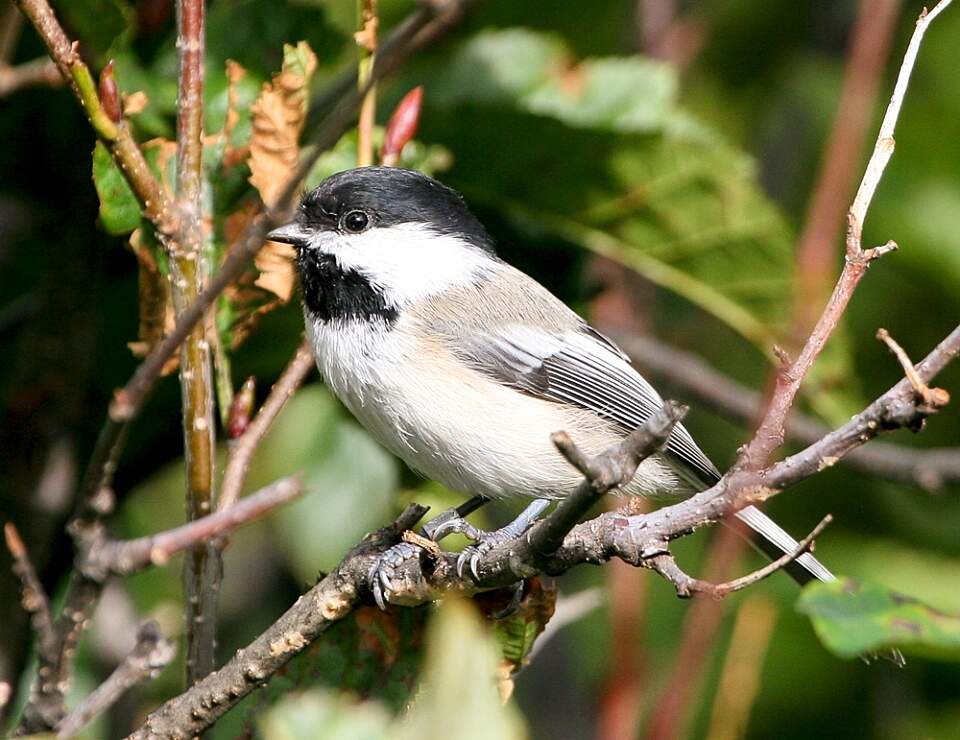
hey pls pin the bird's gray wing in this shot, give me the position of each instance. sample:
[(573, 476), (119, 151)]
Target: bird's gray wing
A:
[(578, 366)]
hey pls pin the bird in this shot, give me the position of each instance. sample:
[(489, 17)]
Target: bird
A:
[(463, 366)]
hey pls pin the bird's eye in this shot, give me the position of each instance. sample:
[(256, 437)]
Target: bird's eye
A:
[(356, 221)]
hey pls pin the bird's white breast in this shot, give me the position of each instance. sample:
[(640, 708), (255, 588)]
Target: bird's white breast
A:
[(453, 424)]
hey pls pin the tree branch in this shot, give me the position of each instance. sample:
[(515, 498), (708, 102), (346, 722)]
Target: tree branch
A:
[(33, 596), (243, 449), (770, 433), (150, 656), (202, 568), (695, 379), (123, 557)]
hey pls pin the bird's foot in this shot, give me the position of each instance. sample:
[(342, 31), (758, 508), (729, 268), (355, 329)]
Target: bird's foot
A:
[(484, 542), (388, 574), (384, 575)]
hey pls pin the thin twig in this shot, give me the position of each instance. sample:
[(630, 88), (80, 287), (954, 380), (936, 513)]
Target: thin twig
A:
[(366, 38), (770, 433), (932, 397), (687, 586), (128, 556), (36, 73), (151, 655), (816, 248), (33, 595), (243, 449), (930, 468)]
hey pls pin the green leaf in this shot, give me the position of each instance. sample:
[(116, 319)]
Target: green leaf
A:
[(516, 633), (533, 70), (372, 653), (459, 697), (853, 618), (119, 209)]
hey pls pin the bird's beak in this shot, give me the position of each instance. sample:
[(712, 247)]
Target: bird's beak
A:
[(292, 233)]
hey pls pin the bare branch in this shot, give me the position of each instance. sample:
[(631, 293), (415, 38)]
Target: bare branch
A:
[(695, 379), (243, 449), (150, 656), (816, 252), (128, 556), (33, 595), (602, 474), (770, 432)]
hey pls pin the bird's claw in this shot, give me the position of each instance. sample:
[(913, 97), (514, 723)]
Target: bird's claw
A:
[(383, 572), (484, 543)]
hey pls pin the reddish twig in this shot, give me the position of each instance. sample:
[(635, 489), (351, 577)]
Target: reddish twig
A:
[(366, 38), (816, 248), (770, 433), (129, 556), (243, 449)]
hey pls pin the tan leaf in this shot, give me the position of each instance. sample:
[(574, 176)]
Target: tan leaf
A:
[(277, 120), (135, 102), (275, 262)]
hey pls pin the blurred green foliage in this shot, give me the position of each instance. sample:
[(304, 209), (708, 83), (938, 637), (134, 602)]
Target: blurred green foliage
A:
[(856, 618), (567, 143)]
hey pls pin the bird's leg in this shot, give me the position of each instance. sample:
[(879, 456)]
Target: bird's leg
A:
[(440, 526), (484, 542), (383, 572)]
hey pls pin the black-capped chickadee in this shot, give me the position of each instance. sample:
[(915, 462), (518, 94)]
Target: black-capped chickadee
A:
[(462, 365)]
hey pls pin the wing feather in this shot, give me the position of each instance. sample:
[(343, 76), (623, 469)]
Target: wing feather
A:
[(580, 367)]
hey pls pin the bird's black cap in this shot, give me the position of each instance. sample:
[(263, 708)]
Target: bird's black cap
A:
[(389, 196)]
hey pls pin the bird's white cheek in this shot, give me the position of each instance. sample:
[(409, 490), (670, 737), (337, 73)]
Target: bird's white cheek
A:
[(409, 261)]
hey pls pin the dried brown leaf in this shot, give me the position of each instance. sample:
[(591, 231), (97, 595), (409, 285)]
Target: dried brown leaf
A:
[(277, 120)]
